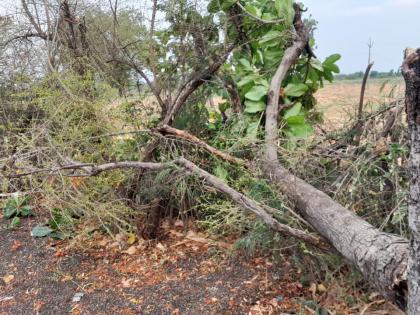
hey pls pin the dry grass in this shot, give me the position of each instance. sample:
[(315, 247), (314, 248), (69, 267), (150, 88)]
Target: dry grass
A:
[(339, 100)]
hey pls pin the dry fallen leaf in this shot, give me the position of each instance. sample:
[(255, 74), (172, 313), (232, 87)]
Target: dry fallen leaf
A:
[(131, 250), (131, 238), (161, 247), (9, 278), (126, 283), (312, 289), (67, 278), (322, 288), (16, 245)]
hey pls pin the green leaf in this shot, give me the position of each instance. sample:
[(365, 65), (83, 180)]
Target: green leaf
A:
[(332, 59), (252, 130), (263, 82), (252, 107), (271, 38), (15, 223), (248, 79), (41, 231), (57, 235), (267, 16), (296, 120), (9, 211), (256, 93), (293, 111), (213, 6), (221, 172), (26, 211), (316, 64), (223, 106), (313, 75), (285, 10), (272, 56), (245, 63), (328, 75), (295, 89), (260, 56), (226, 4), (253, 10), (299, 130), (332, 68)]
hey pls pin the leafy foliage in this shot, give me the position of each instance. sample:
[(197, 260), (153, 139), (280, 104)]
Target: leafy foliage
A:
[(17, 207)]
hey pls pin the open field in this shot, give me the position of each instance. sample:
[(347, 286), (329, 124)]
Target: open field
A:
[(339, 100)]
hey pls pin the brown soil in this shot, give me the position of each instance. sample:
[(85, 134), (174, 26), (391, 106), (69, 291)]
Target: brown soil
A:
[(177, 276), (183, 274)]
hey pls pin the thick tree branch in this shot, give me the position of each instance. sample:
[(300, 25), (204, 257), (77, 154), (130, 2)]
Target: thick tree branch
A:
[(167, 130), (194, 83), (26, 36), (290, 56), (190, 168)]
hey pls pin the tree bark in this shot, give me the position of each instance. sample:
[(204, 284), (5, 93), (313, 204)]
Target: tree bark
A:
[(272, 112), (358, 129), (152, 224), (382, 258), (235, 98), (167, 130), (411, 73)]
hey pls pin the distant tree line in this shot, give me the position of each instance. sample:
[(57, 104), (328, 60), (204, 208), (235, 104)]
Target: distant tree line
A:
[(374, 74)]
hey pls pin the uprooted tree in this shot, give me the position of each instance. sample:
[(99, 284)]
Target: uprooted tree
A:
[(257, 58)]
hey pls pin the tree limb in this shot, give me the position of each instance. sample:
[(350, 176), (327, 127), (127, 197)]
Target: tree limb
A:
[(272, 111), (193, 84), (167, 130), (191, 168)]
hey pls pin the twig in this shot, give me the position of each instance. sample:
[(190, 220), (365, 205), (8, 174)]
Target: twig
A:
[(167, 130), (359, 125)]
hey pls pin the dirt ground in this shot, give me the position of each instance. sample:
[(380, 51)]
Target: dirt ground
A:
[(175, 276), (183, 274)]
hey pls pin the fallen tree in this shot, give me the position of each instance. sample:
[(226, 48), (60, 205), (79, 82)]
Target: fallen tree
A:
[(261, 211), (382, 258)]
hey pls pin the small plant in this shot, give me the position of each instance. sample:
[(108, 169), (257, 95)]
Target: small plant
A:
[(17, 207), (55, 226)]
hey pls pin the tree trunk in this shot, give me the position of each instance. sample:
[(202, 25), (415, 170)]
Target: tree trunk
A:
[(235, 98), (381, 257), (411, 73)]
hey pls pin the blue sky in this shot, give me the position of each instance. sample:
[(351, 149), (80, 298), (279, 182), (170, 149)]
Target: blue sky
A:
[(345, 27)]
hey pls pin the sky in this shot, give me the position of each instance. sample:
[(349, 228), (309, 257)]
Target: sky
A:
[(345, 27)]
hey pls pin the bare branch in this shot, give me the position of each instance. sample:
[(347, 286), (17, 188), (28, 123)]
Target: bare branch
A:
[(191, 168), (167, 130), (194, 83)]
